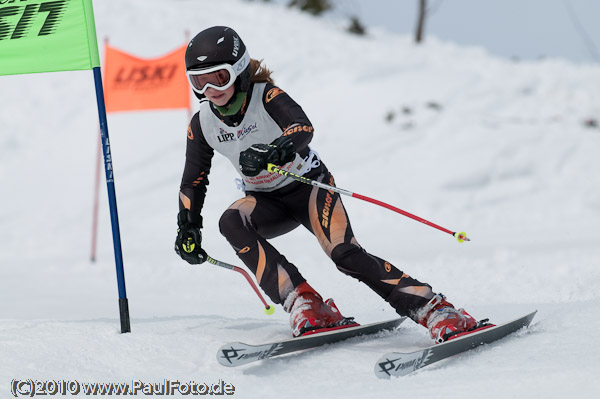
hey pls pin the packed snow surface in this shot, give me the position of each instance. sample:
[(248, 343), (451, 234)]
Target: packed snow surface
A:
[(506, 151)]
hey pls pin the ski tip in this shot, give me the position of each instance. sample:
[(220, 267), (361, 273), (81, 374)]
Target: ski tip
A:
[(235, 354), (530, 317), (395, 364)]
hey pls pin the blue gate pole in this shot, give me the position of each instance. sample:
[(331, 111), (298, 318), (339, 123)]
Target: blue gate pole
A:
[(112, 201)]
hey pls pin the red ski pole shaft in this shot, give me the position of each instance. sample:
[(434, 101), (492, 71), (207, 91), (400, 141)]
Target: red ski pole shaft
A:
[(461, 237), (269, 309), (400, 211)]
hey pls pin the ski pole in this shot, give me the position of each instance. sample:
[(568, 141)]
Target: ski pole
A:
[(460, 237), (269, 309)]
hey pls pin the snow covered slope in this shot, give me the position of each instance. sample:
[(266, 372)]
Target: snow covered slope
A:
[(469, 141)]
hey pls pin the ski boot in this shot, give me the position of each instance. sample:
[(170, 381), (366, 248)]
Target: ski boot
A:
[(308, 312), (443, 320)]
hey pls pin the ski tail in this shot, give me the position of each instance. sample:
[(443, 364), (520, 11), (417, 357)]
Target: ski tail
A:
[(394, 364)]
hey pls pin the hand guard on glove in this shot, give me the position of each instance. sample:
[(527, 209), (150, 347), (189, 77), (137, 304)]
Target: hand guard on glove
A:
[(188, 243), (255, 159)]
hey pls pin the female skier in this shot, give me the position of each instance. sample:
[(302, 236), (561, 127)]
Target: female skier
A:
[(252, 122)]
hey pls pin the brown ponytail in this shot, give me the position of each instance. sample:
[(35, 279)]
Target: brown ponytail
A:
[(259, 73)]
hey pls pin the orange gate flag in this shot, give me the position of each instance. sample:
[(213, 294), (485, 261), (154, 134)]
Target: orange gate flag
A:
[(133, 84)]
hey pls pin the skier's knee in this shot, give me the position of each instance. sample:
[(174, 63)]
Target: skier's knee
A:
[(237, 216), (231, 221), (343, 254)]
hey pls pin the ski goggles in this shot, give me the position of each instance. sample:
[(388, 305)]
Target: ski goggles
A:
[(219, 77)]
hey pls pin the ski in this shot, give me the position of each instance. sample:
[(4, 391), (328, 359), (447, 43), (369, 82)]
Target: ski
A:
[(398, 364), (236, 353)]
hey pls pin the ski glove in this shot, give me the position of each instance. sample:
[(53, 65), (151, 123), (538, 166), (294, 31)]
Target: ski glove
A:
[(189, 237), (255, 159)]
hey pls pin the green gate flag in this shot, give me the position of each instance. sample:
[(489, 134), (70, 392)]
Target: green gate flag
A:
[(47, 36)]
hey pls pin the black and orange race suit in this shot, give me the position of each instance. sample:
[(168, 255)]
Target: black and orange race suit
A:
[(250, 221)]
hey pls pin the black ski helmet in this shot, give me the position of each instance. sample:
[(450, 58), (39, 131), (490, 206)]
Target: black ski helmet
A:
[(215, 46)]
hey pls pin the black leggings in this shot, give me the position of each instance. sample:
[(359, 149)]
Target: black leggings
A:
[(250, 221)]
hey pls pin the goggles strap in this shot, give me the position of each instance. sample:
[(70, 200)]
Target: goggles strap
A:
[(234, 106)]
